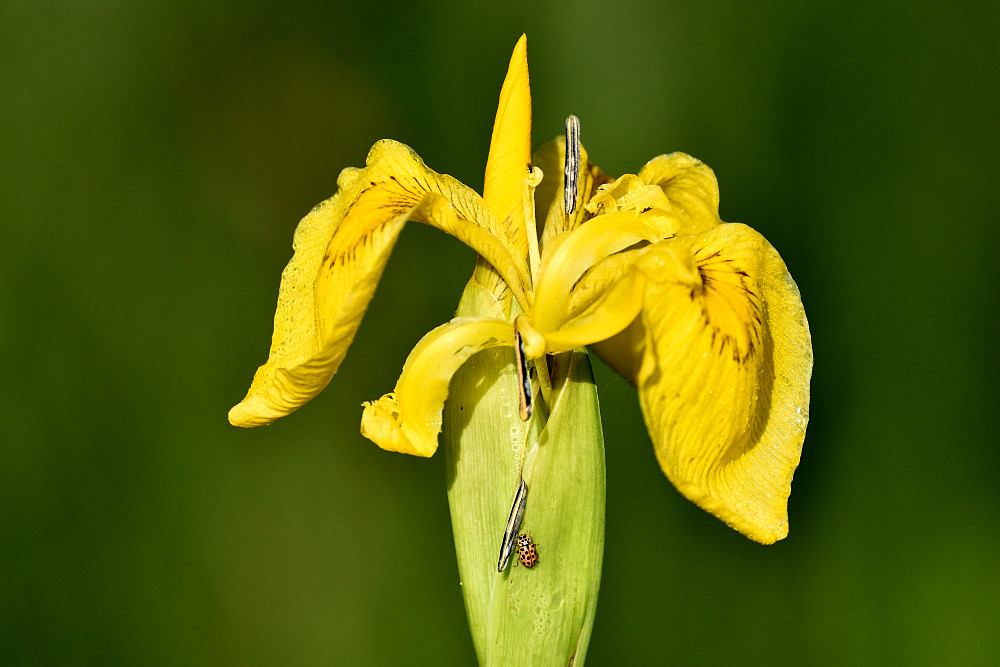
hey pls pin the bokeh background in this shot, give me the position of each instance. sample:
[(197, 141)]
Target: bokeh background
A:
[(155, 159)]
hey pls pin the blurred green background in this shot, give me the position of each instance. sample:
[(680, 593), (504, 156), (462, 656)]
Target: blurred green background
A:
[(155, 161)]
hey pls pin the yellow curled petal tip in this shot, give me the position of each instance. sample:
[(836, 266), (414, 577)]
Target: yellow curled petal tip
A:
[(409, 419), (381, 424)]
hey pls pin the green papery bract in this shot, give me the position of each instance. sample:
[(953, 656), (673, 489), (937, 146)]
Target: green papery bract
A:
[(541, 616)]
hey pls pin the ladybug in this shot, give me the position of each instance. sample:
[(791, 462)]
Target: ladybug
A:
[(526, 551)]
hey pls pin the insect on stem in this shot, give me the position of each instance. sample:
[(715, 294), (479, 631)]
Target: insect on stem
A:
[(571, 171), (513, 523)]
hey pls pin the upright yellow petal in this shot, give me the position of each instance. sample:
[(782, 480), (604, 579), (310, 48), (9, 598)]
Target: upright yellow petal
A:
[(510, 148), (409, 419), (341, 248), (724, 384)]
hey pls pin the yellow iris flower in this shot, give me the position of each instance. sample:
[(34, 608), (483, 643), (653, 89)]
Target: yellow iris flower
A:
[(700, 315)]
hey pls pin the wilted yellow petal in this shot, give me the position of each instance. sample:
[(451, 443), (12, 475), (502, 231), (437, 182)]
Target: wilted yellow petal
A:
[(691, 187), (724, 385), (510, 148), (341, 248), (409, 419)]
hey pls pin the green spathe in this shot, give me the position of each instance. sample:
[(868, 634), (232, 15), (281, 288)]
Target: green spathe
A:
[(541, 616)]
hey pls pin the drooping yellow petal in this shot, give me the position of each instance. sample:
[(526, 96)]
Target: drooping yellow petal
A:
[(569, 256), (510, 148), (691, 187), (724, 384), (341, 248), (409, 419)]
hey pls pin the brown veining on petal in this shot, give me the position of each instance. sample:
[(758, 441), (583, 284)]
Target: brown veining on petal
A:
[(730, 304)]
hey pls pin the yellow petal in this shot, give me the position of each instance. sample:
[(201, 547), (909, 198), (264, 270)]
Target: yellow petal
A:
[(600, 277), (624, 351), (341, 248), (628, 193), (510, 149), (691, 187), (550, 212), (409, 419), (686, 187), (724, 385), (568, 256), (615, 310)]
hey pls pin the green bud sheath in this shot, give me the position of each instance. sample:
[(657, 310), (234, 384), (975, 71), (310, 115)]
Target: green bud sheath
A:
[(543, 615)]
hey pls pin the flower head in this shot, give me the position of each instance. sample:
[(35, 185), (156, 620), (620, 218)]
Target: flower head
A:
[(700, 315)]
